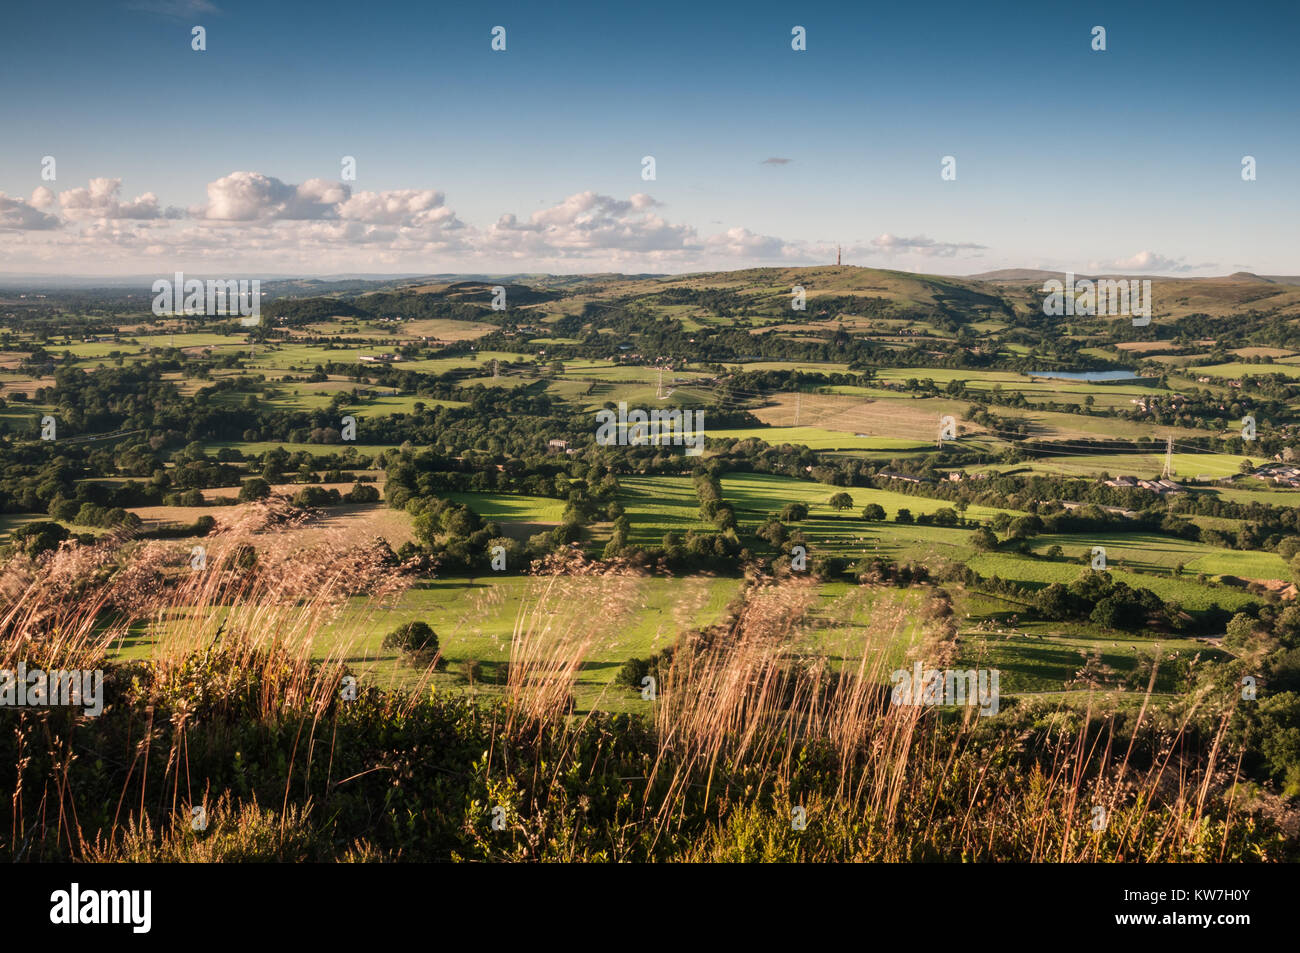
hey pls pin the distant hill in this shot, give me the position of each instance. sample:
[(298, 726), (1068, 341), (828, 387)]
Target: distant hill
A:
[(867, 292), (1019, 275)]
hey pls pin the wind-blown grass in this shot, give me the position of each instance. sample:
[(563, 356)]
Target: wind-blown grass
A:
[(232, 713)]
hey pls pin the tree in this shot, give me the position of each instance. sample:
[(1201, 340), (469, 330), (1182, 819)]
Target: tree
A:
[(64, 510), (984, 539), (904, 515), (460, 520), (873, 512), (773, 531), (416, 641), (1240, 632), (315, 496), (794, 512), (841, 501), (945, 516), (362, 493), (36, 538), (1116, 612), (1026, 526), (1056, 603), (1280, 737)]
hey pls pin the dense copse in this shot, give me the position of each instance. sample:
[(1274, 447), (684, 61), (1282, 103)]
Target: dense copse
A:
[(721, 302), (428, 473), (136, 397), (292, 312), (1094, 597), (1097, 598), (1265, 641), (464, 301), (456, 537), (1249, 328), (776, 381)]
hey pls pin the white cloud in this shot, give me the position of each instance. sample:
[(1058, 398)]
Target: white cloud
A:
[(256, 222), (743, 244), (24, 216), (43, 197), (919, 245), (587, 223), (411, 208), (1149, 261), (102, 199), (251, 196)]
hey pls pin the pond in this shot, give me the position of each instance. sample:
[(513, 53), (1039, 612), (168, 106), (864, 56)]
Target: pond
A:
[(1092, 376)]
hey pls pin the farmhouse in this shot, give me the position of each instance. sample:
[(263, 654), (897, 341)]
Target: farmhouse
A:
[(1283, 475), (1161, 486)]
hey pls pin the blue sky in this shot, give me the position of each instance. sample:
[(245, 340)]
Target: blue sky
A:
[(530, 159)]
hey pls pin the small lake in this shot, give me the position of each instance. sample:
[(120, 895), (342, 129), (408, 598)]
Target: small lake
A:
[(1089, 375)]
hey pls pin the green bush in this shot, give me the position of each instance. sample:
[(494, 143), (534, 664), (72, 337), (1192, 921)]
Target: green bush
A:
[(36, 538), (634, 670), (254, 489), (316, 496), (361, 493), (415, 641), (794, 512)]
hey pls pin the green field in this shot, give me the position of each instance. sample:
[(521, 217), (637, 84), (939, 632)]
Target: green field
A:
[(1152, 553), (816, 438), (1239, 370), (757, 494), (1143, 465), (607, 620), (1038, 660), (658, 505), (511, 508), (1183, 590)]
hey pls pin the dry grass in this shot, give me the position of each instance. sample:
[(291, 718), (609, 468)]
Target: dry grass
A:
[(743, 722), (238, 635)]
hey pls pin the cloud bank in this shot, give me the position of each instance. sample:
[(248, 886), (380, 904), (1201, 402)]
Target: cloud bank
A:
[(252, 221)]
